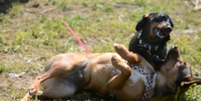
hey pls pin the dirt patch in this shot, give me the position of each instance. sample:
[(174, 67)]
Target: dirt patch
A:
[(15, 85), (6, 56)]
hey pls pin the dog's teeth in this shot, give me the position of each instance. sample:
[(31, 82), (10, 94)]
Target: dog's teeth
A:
[(158, 33)]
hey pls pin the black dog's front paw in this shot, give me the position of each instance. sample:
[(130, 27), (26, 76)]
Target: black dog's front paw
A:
[(156, 58), (157, 61)]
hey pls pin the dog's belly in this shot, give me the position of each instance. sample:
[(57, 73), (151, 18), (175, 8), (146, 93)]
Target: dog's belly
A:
[(100, 70), (133, 89)]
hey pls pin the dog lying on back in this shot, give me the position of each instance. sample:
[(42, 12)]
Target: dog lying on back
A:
[(153, 32), (109, 73)]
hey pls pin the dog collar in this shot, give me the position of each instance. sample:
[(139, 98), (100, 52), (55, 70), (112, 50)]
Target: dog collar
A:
[(144, 45), (150, 80)]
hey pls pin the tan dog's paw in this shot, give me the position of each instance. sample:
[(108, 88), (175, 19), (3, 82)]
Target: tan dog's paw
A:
[(118, 62), (115, 60), (32, 91), (120, 49), (125, 54)]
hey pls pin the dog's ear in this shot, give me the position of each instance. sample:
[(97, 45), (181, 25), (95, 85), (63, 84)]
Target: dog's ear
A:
[(142, 23), (190, 80)]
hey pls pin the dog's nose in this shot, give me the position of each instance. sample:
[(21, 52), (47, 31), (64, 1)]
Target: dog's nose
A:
[(169, 28), (175, 47)]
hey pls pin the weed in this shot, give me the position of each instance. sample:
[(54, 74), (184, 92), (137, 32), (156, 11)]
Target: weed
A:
[(108, 8)]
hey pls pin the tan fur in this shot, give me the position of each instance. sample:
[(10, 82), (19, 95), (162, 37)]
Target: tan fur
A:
[(69, 73), (146, 16)]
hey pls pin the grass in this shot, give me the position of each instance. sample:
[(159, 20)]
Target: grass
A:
[(30, 34)]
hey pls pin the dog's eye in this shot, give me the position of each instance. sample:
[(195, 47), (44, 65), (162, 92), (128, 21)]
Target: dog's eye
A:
[(162, 18), (181, 62)]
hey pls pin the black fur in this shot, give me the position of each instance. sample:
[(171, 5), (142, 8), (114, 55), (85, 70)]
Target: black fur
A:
[(144, 29)]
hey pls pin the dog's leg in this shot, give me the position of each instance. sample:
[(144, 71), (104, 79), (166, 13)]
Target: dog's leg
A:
[(127, 55), (118, 81), (56, 92), (39, 79), (26, 97), (57, 88), (57, 69)]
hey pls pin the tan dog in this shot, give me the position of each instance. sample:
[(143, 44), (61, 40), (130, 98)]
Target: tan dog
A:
[(106, 73)]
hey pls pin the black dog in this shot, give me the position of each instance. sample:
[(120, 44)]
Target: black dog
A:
[(153, 32)]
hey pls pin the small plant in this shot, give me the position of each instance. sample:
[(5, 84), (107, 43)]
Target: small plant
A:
[(108, 8)]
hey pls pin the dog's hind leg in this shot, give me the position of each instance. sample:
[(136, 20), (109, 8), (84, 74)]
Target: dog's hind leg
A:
[(57, 69), (57, 88), (119, 80), (25, 98)]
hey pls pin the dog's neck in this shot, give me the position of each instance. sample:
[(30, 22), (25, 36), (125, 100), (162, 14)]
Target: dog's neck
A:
[(150, 80), (147, 38), (162, 88), (144, 44)]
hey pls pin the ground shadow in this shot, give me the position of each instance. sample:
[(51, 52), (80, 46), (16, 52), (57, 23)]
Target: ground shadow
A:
[(5, 5), (80, 96)]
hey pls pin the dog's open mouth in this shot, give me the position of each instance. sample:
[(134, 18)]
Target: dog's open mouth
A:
[(158, 33)]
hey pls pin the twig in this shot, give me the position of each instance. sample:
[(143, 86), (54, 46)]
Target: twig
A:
[(197, 73), (197, 4), (192, 1), (187, 4), (118, 6), (46, 10)]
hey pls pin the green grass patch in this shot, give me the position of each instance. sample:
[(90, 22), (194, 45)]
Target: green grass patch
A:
[(28, 37)]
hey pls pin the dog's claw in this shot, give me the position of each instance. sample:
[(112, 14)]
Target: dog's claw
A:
[(30, 93)]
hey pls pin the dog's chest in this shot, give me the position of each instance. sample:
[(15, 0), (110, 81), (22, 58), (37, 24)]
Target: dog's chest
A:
[(135, 77)]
